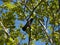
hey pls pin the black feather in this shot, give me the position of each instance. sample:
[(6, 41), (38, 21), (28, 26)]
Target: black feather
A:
[(28, 24)]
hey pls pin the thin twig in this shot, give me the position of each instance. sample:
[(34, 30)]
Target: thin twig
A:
[(26, 6), (46, 22)]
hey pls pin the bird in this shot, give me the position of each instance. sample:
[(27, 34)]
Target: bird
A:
[(28, 24)]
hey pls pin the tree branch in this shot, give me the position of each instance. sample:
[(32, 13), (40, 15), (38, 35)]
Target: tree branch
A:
[(5, 29), (45, 30), (34, 10), (29, 37), (2, 25)]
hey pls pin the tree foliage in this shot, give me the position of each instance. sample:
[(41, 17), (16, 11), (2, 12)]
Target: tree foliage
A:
[(45, 26)]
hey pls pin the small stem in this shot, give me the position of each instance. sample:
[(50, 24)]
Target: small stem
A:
[(46, 22)]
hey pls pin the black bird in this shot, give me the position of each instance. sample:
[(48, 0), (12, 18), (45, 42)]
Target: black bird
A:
[(28, 24)]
